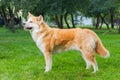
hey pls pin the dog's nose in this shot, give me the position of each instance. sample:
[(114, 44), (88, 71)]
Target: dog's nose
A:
[(23, 23)]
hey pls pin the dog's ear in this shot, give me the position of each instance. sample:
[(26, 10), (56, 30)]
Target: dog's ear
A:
[(40, 18), (29, 14)]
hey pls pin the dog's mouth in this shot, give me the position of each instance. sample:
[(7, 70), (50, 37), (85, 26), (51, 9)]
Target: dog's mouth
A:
[(27, 28)]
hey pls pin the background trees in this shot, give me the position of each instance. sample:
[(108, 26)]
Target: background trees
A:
[(103, 11), (8, 14)]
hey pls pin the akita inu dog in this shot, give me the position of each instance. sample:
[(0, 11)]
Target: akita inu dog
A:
[(50, 40)]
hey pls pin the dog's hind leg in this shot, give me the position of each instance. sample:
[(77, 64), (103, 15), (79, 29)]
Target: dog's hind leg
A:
[(88, 64), (89, 58), (48, 61)]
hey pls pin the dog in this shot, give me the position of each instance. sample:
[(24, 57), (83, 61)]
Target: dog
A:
[(50, 40)]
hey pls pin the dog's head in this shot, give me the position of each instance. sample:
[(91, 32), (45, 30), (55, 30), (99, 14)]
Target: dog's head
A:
[(33, 22)]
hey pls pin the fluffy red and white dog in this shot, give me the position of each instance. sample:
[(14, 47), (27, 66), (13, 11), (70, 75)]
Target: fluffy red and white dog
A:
[(50, 40)]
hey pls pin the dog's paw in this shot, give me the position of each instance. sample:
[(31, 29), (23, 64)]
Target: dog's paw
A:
[(47, 70)]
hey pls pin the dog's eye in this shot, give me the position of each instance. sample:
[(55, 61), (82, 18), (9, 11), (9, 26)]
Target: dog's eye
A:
[(30, 21)]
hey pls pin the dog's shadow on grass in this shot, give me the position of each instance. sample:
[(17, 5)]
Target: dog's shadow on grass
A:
[(87, 74)]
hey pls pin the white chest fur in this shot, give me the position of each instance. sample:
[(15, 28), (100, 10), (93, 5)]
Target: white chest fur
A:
[(39, 41)]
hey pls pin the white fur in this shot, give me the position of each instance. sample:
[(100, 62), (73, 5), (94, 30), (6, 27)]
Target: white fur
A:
[(92, 42), (73, 47), (88, 64), (41, 45), (107, 55), (48, 64), (38, 40), (59, 49), (30, 19)]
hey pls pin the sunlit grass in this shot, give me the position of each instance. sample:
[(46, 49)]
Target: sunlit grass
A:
[(20, 59)]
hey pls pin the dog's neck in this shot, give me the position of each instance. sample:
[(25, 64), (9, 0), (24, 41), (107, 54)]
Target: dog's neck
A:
[(44, 29), (44, 26)]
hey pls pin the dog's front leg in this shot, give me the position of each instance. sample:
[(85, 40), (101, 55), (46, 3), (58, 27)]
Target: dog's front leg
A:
[(48, 61)]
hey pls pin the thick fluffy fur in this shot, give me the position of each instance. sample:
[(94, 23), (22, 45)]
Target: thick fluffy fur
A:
[(51, 40)]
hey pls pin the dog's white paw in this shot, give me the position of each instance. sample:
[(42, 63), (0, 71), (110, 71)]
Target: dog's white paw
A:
[(46, 71)]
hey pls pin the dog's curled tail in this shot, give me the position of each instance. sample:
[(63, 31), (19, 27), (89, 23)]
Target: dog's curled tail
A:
[(101, 50)]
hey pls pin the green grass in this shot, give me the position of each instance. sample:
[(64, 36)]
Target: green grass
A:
[(20, 59)]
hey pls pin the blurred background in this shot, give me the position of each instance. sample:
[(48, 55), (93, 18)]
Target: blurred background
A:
[(62, 13)]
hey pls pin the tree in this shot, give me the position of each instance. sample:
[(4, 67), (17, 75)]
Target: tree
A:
[(7, 8), (61, 10), (103, 10)]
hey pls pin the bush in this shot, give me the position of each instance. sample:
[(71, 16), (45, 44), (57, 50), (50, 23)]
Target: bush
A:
[(12, 26)]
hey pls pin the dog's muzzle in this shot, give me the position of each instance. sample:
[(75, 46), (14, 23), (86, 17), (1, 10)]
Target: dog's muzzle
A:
[(25, 27)]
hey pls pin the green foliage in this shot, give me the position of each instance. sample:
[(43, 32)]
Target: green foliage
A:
[(20, 59), (88, 8), (101, 6), (8, 14), (60, 6)]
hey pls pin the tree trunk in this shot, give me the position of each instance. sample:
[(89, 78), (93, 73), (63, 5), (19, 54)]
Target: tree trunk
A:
[(118, 23), (65, 18), (97, 21), (10, 13), (57, 20), (4, 17), (101, 24), (119, 29), (107, 24), (112, 17), (72, 20), (61, 21)]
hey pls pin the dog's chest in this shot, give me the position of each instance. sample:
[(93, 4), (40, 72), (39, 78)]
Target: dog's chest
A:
[(39, 41)]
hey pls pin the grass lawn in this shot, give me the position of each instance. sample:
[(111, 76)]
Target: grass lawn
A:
[(20, 59)]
